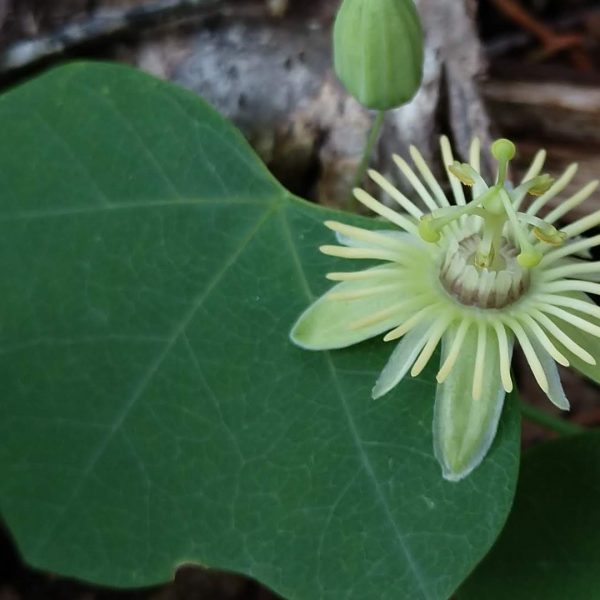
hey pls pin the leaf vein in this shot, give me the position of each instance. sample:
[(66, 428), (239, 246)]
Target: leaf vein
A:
[(75, 159), (179, 329), (84, 210), (354, 433), (127, 122)]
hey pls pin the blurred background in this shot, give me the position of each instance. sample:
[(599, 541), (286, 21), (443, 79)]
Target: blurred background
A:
[(525, 69)]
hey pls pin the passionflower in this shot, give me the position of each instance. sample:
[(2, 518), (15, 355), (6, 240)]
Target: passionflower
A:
[(474, 277)]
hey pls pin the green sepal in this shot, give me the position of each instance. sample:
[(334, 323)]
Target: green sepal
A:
[(327, 323), (401, 360), (464, 428), (555, 393), (586, 340)]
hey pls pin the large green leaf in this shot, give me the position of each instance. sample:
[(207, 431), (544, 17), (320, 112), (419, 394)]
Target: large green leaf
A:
[(154, 410), (550, 548)]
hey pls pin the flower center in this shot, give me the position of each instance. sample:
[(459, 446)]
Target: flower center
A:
[(491, 269), (472, 285), (495, 207)]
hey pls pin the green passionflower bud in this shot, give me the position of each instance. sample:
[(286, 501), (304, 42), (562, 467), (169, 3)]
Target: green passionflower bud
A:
[(378, 51)]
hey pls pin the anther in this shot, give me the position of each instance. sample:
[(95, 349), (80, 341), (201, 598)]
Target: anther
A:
[(431, 225), (539, 185), (529, 257), (465, 173), (545, 232), (550, 235)]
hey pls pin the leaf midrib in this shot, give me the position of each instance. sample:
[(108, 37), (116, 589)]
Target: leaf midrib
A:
[(139, 204)]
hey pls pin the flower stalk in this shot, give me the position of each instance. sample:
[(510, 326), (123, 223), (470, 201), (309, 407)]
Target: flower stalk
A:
[(378, 56), (372, 138)]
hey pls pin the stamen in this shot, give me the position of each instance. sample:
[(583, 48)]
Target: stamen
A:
[(461, 171), (365, 293), (415, 182), (562, 337), (564, 207), (454, 352), (559, 185), (432, 224), (550, 235), (529, 256), (364, 235), (530, 355), (479, 360), (398, 332), (536, 187), (395, 194), (368, 253), (505, 353), (428, 177), (534, 170), (539, 185), (544, 340), (434, 335), (384, 211), (543, 231), (361, 275)]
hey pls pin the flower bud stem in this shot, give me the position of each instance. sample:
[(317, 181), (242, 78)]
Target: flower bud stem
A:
[(368, 151), (546, 420)]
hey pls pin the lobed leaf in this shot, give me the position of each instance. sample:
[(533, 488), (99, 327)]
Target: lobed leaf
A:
[(154, 411)]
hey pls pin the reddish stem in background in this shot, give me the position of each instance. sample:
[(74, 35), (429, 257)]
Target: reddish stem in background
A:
[(551, 41)]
